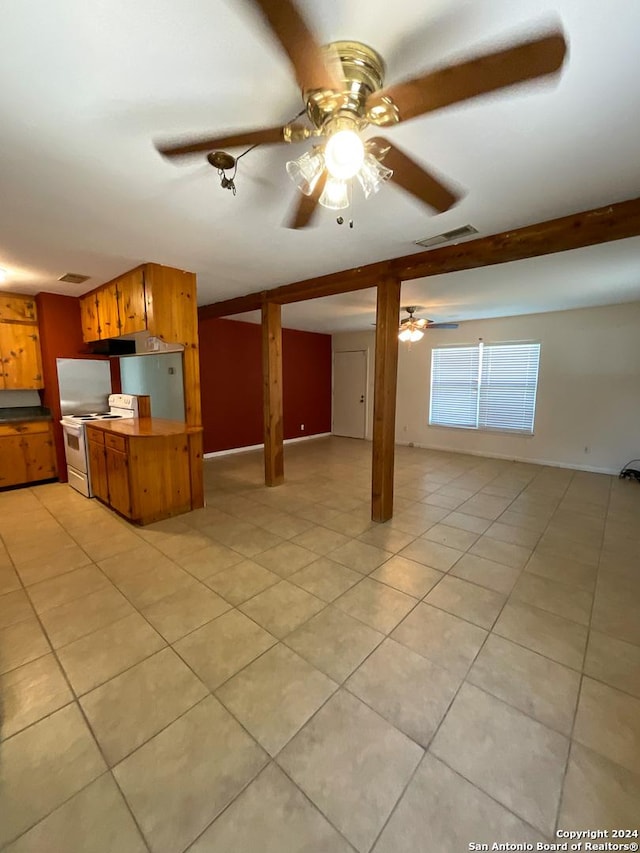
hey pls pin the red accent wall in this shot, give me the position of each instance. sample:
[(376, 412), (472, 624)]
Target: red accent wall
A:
[(231, 383), (61, 337)]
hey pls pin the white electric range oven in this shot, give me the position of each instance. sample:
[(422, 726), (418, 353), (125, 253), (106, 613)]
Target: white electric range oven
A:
[(75, 438)]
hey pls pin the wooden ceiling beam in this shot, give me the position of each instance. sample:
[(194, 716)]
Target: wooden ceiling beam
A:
[(588, 228)]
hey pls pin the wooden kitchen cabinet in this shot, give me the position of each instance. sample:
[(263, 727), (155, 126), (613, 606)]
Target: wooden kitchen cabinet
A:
[(131, 302), (98, 468), (108, 316), (161, 300), (18, 308), (27, 453), (117, 308), (141, 468), (89, 317), (21, 357), (117, 466)]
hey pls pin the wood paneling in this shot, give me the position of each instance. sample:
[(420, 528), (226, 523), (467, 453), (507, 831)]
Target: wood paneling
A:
[(273, 418), (588, 228), (131, 304), (384, 401), (21, 358)]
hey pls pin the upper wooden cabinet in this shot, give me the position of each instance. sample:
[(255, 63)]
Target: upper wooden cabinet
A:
[(19, 308), (108, 314), (89, 317), (117, 308), (20, 358), (131, 303)]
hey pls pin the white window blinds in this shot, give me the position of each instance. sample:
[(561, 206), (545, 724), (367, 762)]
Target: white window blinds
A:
[(454, 386), (489, 386)]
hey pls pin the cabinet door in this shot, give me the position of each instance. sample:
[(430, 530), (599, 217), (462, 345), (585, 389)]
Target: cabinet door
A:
[(98, 471), (118, 479), (21, 360), (89, 318), (109, 321), (13, 465), (133, 314), (16, 307), (40, 456)]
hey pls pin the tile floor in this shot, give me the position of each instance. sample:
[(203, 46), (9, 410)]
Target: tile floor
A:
[(276, 673)]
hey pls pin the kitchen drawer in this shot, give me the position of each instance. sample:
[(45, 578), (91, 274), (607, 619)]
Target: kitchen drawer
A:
[(116, 442), (95, 435), (24, 428)]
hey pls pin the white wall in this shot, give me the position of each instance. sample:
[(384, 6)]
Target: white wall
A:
[(588, 387)]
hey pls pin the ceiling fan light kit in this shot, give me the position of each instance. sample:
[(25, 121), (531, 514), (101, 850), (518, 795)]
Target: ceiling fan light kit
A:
[(412, 330), (343, 92)]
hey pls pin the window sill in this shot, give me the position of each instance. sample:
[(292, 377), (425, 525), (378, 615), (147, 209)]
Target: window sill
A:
[(519, 433)]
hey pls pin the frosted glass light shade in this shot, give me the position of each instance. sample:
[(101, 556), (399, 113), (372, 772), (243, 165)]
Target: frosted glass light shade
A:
[(305, 171), (344, 154), (372, 175), (416, 335), (405, 335), (335, 195)]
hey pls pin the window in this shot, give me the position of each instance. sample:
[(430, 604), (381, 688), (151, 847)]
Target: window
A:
[(488, 386)]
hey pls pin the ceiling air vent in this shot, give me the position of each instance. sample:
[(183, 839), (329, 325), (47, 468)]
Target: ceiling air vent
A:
[(74, 278), (456, 234)]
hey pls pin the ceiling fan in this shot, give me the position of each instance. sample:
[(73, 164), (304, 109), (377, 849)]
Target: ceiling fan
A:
[(412, 329), (343, 92)]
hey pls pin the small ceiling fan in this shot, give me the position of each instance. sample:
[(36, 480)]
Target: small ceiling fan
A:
[(412, 329), (343, 92)]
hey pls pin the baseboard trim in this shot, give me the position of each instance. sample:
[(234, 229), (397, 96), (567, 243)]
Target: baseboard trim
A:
[(251, 447), (549, 462)]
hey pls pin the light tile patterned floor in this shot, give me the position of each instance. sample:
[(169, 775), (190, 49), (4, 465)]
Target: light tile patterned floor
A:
[(274, 673)]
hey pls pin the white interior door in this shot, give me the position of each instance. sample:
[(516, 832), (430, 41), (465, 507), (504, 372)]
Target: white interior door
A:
[(350, 393)]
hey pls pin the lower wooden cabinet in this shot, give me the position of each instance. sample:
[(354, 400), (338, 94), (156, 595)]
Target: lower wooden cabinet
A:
[(144, 478), (27, 453), (98, 468)]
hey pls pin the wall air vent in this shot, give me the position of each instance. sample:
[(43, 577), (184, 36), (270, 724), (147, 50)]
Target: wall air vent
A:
[(74, 278), (456, 234)]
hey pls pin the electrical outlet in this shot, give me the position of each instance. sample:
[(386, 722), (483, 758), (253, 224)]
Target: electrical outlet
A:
[(301, 427), (587, 449)]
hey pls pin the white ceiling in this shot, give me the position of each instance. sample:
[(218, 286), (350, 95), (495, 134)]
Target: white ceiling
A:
[(87, 85)]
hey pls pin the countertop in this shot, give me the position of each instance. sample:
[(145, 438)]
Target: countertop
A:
[(14, 414), (141, 427)]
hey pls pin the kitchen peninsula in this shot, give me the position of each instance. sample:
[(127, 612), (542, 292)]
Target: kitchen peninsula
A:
[(141, 467)]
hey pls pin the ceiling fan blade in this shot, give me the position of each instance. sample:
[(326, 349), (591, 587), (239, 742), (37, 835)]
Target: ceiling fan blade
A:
[(412, 177), (455, 83), (264, 136), (298, 42), (307, 204), (441, 326)]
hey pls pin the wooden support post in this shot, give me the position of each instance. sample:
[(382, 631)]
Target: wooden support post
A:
[(272, 393), (384, 400)]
